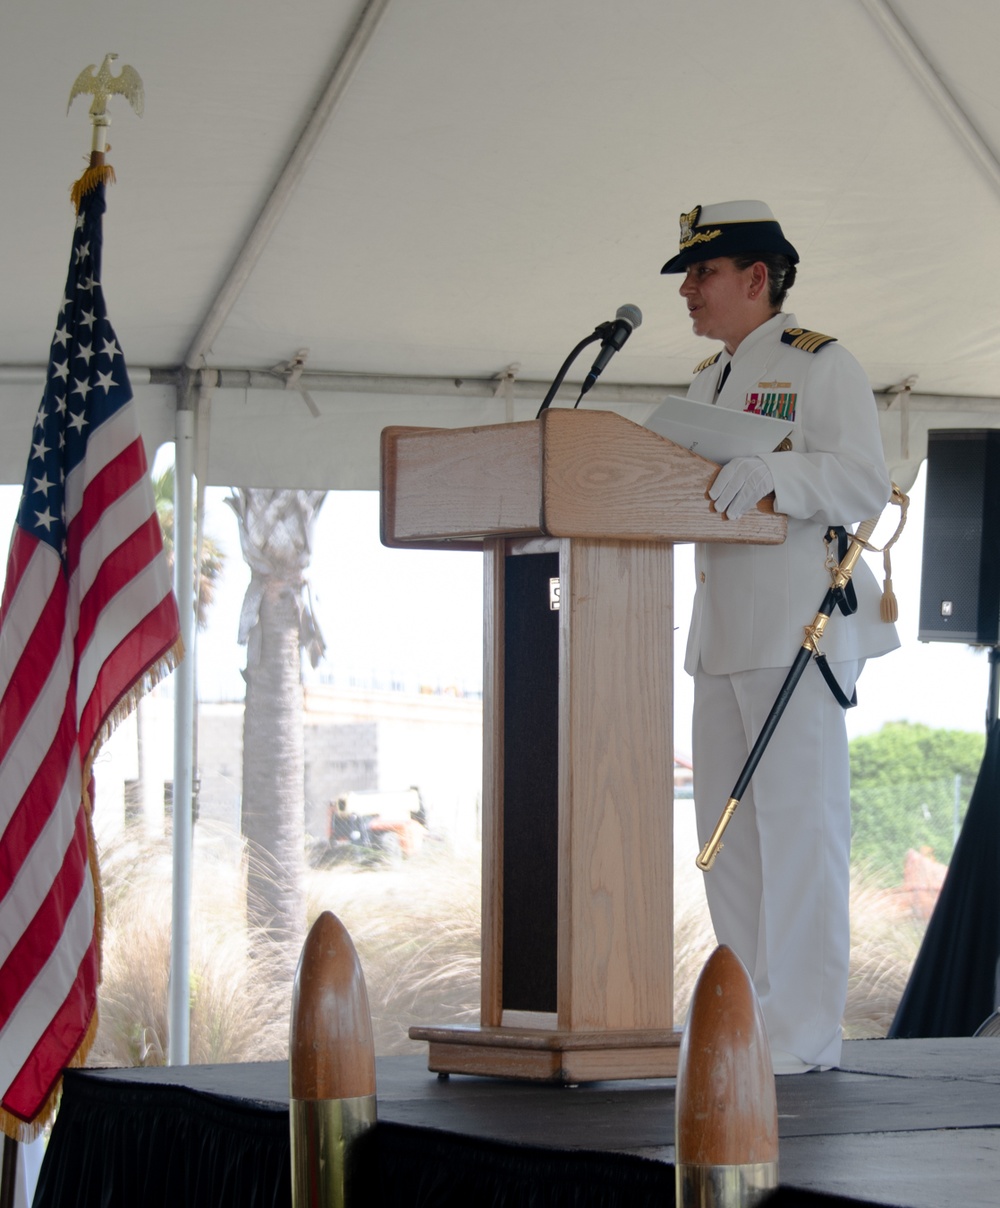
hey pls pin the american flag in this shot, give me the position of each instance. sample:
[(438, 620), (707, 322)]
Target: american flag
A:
[(88, 620)]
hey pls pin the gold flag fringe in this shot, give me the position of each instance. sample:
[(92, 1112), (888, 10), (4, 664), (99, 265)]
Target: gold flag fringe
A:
[(167, 662), (96, 174), (26, 1131), (13, 1126), (125, 706)]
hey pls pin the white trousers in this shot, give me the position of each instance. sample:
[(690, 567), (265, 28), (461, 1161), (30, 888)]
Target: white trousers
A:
[(779, 891)]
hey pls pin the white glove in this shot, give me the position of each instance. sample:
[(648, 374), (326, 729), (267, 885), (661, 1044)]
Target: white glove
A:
[(739, 485)]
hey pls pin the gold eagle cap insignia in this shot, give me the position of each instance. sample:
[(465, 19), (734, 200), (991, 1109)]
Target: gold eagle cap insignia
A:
[(101, 84), (689, 235), (688, 223)]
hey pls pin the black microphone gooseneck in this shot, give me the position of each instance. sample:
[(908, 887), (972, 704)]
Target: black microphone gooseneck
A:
[(612, 335), (627, 319)]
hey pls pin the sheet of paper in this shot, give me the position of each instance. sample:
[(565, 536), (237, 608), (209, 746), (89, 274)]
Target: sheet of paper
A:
[(716, 432)]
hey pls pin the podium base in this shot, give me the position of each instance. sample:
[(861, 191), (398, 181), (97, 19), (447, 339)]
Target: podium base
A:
[(551, 1055)]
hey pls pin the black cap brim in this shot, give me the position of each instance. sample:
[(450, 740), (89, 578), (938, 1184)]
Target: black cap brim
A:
[(732, 239)]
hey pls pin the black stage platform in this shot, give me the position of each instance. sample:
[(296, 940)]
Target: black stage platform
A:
[(912, 1123)]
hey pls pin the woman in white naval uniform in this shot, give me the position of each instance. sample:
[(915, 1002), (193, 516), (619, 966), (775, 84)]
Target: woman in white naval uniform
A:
[(779, 893)]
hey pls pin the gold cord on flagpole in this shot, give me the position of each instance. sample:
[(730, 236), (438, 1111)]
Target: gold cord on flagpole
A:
[(101, 84)]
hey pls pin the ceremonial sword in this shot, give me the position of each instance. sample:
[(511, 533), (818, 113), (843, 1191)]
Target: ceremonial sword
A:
[(808, 649)]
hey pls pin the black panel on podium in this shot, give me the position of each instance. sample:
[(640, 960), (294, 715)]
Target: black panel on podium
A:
[(531, 783)]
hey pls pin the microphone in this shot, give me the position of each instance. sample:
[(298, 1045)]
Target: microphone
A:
[(627, 318)]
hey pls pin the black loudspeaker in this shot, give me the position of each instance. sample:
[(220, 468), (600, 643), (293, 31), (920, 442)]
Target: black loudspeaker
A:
[(960, 573)]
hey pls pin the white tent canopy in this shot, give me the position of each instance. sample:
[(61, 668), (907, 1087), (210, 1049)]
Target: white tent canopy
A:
[(428, 196)]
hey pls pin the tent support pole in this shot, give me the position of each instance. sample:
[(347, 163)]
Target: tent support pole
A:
[(179, 1009)]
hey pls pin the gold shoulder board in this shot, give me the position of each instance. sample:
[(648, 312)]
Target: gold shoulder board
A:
[(807, 341), (706, 362)]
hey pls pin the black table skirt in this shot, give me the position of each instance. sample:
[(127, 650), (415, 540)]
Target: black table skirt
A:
[(118, 1144), (218, 1137)]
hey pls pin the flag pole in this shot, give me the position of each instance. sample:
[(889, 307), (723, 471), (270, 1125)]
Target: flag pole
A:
[(8, 1172)]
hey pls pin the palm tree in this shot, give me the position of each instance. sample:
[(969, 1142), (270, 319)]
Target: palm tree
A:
[(275, 625)]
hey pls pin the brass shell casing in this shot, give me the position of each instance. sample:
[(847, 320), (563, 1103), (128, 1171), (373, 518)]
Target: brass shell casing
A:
[(326, 1134), (725, 1186)]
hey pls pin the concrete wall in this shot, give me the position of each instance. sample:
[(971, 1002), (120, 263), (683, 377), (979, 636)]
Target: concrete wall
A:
[(354, 739)]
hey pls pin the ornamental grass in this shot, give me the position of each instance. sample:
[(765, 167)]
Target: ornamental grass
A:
[(415, 925)]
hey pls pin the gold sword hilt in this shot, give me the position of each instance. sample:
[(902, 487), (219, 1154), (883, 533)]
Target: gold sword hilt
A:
[(858, 542), (842, 573), (706, 857)]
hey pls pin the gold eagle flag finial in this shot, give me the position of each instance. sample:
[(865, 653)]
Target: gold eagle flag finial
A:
[(101, 84)]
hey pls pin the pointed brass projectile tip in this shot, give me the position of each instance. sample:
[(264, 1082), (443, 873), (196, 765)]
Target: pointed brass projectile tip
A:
[(331, 1050), (726, 1109)]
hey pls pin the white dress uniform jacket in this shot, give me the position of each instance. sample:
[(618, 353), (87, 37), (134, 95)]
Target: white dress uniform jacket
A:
[(752, 602)]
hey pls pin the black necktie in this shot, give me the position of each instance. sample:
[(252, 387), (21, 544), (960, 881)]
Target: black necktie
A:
[(722, 379)]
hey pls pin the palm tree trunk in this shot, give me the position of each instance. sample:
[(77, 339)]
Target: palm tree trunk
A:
[(275, 532), (273, 819)]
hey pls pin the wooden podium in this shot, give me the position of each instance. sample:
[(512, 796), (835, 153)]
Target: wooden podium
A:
[(576, 514)]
